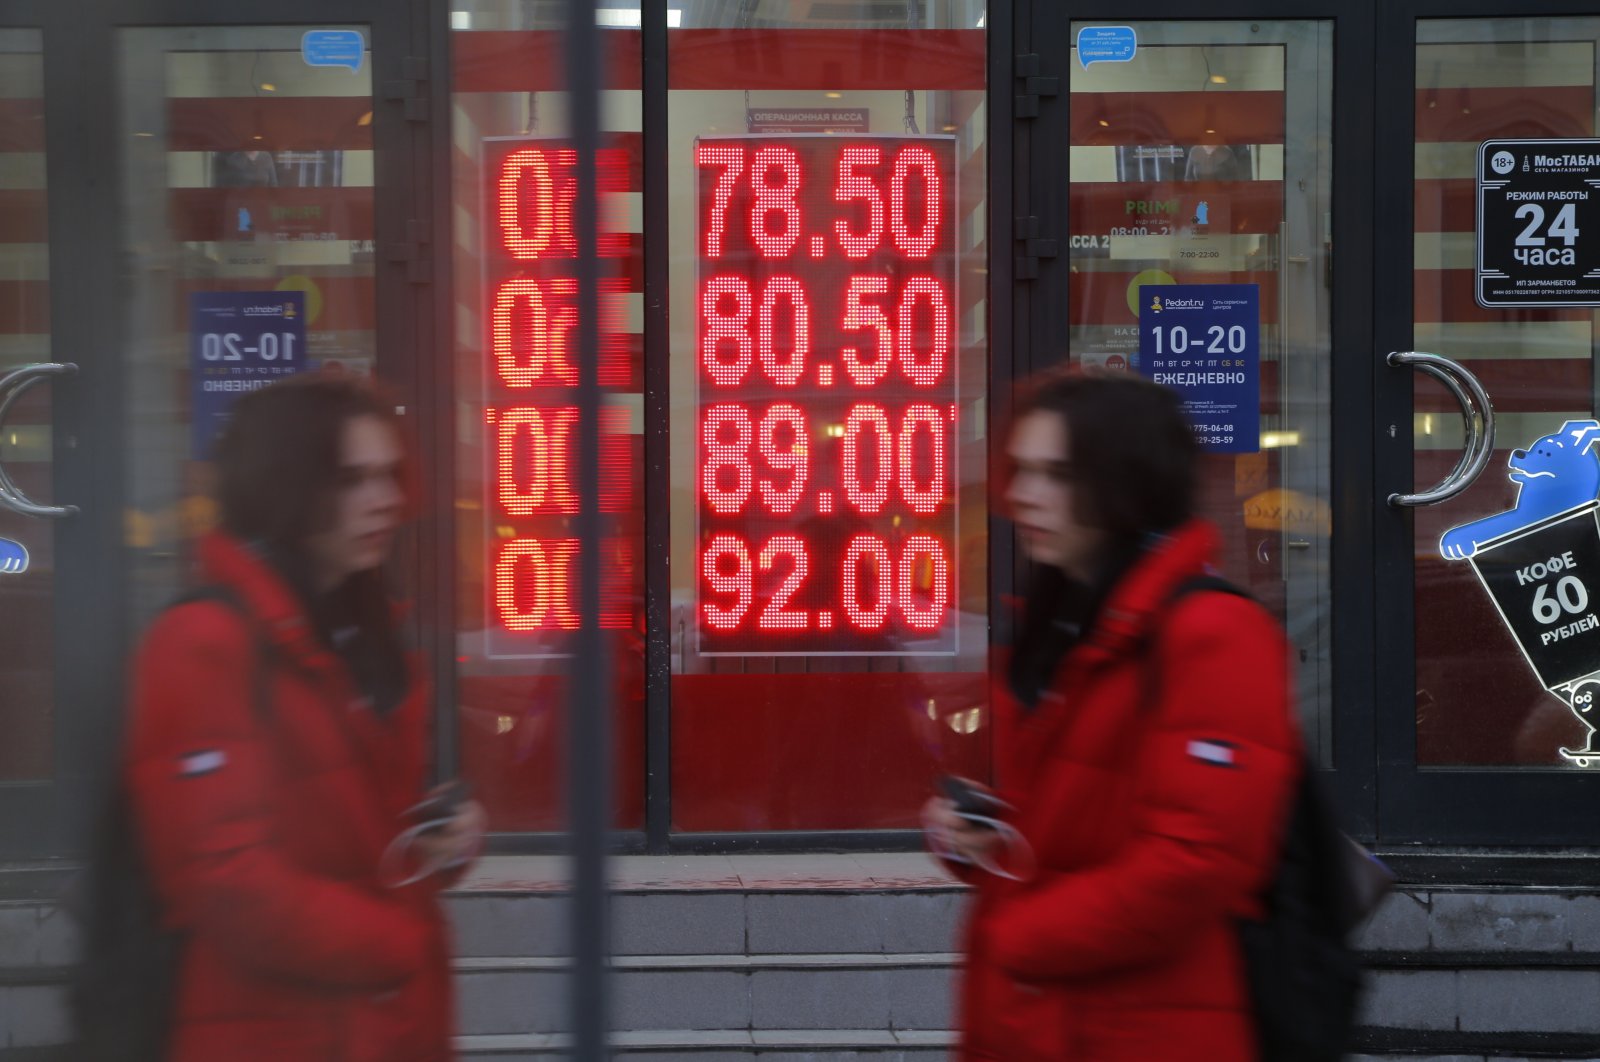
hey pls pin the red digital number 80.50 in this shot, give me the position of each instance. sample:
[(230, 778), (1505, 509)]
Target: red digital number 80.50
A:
[(729, 345)]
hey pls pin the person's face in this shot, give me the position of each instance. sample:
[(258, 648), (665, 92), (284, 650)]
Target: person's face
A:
[(367, 504), (1041, 498)]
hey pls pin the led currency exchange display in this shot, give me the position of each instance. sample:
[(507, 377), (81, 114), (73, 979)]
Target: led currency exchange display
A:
[(825, 423), (530, 290)]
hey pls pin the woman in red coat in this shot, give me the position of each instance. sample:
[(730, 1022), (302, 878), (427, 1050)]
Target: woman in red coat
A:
[(1145, 754), (278, 740)]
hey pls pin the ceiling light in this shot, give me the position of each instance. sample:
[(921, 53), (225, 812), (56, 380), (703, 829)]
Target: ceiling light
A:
[(630, 18), (461, 20), (267, 86), (834, 95), (1219, 79)]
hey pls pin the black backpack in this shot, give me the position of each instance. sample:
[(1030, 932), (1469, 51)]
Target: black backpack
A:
[(1303, 973), (121, 993)]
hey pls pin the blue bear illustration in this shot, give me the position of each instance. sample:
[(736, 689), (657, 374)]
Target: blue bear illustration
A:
[(1559, 472), (13, 557)]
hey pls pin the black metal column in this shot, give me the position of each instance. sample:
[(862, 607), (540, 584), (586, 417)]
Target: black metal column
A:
[(588, 708)]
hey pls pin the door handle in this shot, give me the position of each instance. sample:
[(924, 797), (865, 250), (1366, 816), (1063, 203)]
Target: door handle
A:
[(12, 386), (1475, 407)]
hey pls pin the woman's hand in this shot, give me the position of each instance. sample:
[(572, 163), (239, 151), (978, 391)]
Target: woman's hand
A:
[(951, 833), (455, 843)]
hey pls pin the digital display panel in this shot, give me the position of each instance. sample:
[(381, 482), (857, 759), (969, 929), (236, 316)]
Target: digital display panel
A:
[(530, 292), (825, 324)]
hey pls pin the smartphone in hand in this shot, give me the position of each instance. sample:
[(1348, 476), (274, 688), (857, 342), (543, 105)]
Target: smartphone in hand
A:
[(440, 806), (972, 802)]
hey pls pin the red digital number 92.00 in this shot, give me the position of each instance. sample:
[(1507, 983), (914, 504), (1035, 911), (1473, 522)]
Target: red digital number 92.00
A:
[(872, 582)]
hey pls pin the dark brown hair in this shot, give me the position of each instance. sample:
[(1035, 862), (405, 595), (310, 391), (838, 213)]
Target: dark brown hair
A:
[(1132, 448), (279, 458), (279, 468)]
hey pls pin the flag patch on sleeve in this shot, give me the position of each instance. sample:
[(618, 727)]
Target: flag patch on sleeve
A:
[(1215, 753), (195, 764)]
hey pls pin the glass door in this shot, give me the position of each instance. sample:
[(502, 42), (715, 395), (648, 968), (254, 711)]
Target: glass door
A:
[(1491, 674), (163, 191), (1209, 174), (29, 557)]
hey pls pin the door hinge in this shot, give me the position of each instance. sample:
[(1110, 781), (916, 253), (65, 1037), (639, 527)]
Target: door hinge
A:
[(413, 251), (1035, 245), (1034, 85), (410, 88)]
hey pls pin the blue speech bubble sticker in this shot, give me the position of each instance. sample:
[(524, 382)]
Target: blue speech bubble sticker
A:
[(1107, 44), (333, 48), (13, 557)]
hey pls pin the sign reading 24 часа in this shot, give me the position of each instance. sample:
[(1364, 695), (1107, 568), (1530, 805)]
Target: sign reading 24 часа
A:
[(1204, 341), (1540, 563), (1538, 223)]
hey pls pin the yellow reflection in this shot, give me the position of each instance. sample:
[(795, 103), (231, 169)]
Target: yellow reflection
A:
[(966, 722), (1281, 509)]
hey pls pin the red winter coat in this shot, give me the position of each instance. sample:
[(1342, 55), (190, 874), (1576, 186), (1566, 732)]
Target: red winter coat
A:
[(1119, 942), (264, 838)]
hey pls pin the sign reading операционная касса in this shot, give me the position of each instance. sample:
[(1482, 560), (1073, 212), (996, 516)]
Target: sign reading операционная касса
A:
[(1538, 223)]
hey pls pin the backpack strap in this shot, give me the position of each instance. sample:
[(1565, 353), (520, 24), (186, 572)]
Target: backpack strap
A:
[(261, 676), (1150, 676), (1203, 583)]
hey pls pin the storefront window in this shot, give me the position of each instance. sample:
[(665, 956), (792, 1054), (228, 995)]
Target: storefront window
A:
[(1479, 702), (516, 404), (829, 446), (247, 198), (26, 596), (1204, 162)]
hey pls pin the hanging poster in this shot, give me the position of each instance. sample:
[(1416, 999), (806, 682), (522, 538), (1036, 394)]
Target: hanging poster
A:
[(239, 341), (1204, 341)]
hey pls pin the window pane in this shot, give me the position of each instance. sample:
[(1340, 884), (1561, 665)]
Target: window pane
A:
[(247, 183), (828, 413), (1207, 161), (516, 414), (1478, 701), (26, 598)]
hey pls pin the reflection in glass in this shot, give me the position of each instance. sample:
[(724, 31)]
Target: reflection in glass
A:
[(247, 181), (1201, 162), (27, 600), (516, 456)]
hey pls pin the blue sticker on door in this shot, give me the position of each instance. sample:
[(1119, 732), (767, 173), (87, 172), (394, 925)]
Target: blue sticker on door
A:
[(1204, 341), (1539, 562)]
